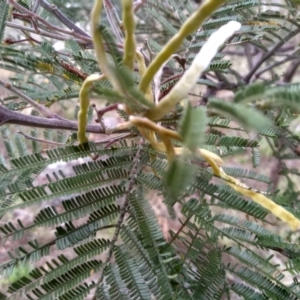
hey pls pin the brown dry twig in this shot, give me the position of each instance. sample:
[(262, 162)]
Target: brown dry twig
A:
[(41, 108), (11, 117)]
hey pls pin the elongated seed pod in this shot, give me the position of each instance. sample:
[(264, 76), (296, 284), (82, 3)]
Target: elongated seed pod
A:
[(84, 106), (190, 77), (191, 25), (257, 197)]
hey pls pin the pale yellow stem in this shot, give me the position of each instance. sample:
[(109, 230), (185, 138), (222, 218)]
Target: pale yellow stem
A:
[(84, 106), (129, 27)]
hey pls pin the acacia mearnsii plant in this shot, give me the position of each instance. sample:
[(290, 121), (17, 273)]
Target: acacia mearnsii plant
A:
[(149, 149)]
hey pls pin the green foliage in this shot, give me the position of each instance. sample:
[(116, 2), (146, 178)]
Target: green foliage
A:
[(94, 226), (246, 116), (3, 17)]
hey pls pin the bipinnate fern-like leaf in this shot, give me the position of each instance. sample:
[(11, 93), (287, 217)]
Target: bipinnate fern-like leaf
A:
[(129, 272), (61, 266), (261, 282), (210, 273), (4, 8), (153, 242), (123, 219), (246, 116), (277, 95), (246, 292)]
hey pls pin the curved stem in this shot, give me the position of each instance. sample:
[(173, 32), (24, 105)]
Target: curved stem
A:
[(84, 106), (192, 24)]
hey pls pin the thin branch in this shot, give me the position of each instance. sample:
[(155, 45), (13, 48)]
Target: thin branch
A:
[(138, 4), (113, 139), (62, 18), (151, 53), (286, 47), (270, 53), (32, 138), (11, 117), (278, 166), (87, 44), (272, 66), (288, 57), (42, 109), (102, 111), (249, 56), (114, 20), (291, 70), (36, 17), (132, 179), (11, 42), (36, 5), (126, 135), (70, 68)]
